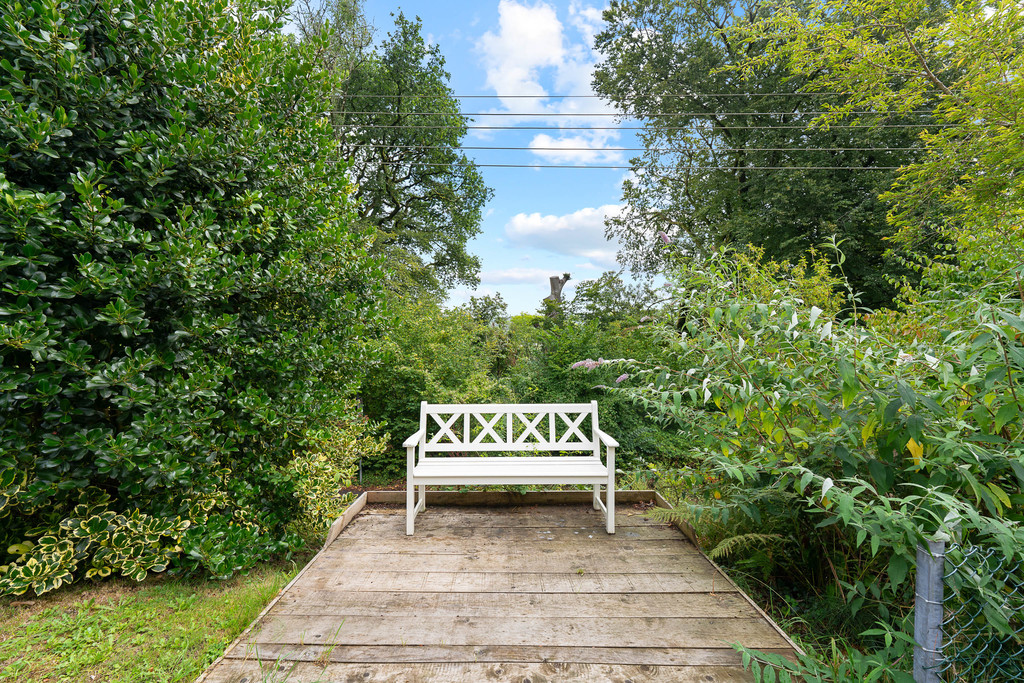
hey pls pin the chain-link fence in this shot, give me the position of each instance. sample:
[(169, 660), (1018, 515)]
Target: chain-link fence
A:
[(983, 608)]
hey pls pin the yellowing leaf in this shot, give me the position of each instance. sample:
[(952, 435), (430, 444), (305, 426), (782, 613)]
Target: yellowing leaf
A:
[(1000, 494), (916, 451), (867, 431)]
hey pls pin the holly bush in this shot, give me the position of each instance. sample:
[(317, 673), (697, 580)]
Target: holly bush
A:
[(181, 288)]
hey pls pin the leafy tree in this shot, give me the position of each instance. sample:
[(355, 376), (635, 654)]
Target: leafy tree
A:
[(488, 309), (401, 127), (431, 354), (968, 187), (609, 298), (860, 438), (181, 288), (349, 35), (713, 137)]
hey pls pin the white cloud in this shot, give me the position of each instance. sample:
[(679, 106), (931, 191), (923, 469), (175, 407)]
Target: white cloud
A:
[(587, 20), (532, 50), (461, 295), (528, 38), (575, 149), (580, 233)]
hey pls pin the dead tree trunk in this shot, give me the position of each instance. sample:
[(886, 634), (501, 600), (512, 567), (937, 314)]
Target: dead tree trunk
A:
[(553, 301)]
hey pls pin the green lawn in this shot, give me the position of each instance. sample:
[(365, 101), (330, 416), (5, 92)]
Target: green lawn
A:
[(119, 631)]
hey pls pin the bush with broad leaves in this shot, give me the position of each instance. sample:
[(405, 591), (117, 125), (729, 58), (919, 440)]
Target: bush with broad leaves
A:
[(182, 291)]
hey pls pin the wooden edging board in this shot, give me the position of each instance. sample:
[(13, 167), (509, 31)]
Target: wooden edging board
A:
[(493, 498), (336, 528), (689, 533), (507, 498)]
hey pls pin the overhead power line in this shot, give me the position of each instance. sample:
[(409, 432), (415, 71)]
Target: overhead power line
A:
[(709, 168), (651, 149), (570, 115), (559, 128), (690, 168), (592, 97)]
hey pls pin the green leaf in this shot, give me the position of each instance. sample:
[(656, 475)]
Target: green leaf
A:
[(1006, 414), (847, 373), (897, 569), (907, 394)]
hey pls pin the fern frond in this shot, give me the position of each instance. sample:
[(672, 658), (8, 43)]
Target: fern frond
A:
[(730, 545)]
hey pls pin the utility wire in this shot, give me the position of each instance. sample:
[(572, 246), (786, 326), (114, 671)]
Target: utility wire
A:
[(696, 95), (560, 128), (691, 168), (646, 149), (570, 115)]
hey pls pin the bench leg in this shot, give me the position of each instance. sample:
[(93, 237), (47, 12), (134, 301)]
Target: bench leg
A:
[(597, 497), (610, 509), (422, 505), (410, 508)]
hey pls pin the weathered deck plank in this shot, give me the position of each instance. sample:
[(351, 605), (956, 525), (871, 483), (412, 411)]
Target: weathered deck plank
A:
[(504, 594), (369, 654), (517, 582), (402, 631), (239, 671), (326, 603), (579, 560), (446, 519)]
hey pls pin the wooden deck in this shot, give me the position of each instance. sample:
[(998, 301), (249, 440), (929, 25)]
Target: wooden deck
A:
[(531, 593)]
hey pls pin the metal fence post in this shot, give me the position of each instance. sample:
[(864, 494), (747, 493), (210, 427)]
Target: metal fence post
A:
[(928, 613)]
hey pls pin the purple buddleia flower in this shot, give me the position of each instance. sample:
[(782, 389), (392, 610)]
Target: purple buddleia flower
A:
[(621, 378), (664, 237)]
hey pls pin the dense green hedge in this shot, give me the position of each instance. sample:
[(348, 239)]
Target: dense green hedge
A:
[(478, 354), (181, 291)]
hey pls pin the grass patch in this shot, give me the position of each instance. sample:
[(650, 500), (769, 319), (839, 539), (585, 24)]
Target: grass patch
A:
[(160, 631)]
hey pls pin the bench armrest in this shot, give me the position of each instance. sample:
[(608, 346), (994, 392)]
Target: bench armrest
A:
[(607, 440), (414, 440)]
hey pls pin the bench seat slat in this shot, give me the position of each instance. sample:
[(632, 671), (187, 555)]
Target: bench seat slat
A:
[(505, 470)]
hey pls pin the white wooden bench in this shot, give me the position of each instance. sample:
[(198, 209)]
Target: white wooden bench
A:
[(503, 428)]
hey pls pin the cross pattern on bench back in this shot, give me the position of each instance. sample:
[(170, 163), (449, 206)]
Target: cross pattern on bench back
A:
[(523, 427)]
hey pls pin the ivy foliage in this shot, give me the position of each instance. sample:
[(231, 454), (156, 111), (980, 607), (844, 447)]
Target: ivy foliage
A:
[(181, 291)]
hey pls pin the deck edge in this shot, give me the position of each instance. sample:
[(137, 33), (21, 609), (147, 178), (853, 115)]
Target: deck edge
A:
[(688, 531), (336, 528)]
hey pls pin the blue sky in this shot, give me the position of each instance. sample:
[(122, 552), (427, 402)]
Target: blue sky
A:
[(541, 222)]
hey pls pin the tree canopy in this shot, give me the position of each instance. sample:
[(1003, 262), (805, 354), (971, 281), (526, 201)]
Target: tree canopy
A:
[(964, 65), (833, 445), (400, 126), (730, 159)]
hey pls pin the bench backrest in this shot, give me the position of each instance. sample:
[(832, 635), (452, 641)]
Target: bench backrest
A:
[(522, 427)]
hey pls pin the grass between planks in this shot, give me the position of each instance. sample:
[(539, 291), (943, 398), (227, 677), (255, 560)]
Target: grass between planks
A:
[(162, 630)]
